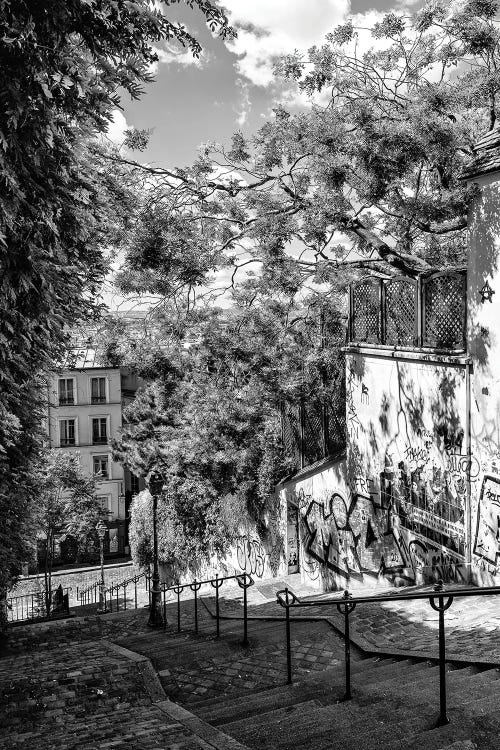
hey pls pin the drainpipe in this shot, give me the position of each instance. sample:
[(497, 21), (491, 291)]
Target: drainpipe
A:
[(468, 448)]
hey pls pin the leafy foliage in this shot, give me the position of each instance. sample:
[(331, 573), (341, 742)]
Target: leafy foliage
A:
[(368, 180), (60, 204), (66, 506), (209, 422)]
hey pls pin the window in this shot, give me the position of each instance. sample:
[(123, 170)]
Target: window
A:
[(67, 432), (101, 466), (105, 502), (97, 390), (66, 391), (100, 431)]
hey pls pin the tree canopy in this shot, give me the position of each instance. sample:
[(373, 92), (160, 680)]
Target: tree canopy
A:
[(365, 177), (65, 65)]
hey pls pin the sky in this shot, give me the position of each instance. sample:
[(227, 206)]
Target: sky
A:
[(231, 87)]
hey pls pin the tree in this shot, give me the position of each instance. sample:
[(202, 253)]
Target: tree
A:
[(209, 422), (63, 66), (66, 507), (369, 181)]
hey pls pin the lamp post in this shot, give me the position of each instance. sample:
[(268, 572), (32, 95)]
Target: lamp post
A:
[(155, 484), (101, 531)]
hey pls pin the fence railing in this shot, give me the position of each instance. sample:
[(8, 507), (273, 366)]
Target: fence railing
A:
[(112, 593), (244, 581), (34, 606), (439, 599)]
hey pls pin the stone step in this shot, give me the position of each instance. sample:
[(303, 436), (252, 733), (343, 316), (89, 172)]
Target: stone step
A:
[(425, 688), (328, 687), (333, 726), (387, 718), (467, 730)]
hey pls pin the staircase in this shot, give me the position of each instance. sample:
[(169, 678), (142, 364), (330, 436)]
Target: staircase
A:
[(395, 702)]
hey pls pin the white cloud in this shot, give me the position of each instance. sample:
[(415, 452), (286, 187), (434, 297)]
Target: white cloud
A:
[(269, 29), (244, 103), (179, 55), (117, 127)]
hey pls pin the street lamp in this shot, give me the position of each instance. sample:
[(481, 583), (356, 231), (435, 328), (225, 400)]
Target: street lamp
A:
[(101, 532), (155, 485)]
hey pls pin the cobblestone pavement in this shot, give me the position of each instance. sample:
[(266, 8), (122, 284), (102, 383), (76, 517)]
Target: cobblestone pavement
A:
[(195, 668), (472, 624), (66, 685)]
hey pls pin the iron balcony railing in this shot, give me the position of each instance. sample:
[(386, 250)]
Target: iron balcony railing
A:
[(439, 599)]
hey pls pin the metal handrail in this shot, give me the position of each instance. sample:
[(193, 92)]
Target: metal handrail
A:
[(347, 604), (115, 588), (244, 581), (33, 606)]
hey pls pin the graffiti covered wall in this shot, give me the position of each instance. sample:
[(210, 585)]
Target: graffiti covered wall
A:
[(262, 556), (483, 308), (407, 421), (395, 511)]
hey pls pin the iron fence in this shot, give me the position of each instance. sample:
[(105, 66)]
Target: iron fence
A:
[(37, 606), (440, 600), (112, 597), (244, 581)]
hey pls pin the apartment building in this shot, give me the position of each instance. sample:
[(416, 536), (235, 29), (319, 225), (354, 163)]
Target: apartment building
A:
[(86, 400)]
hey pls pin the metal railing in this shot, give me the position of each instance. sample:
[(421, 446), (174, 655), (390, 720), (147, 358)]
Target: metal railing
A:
[(439, 599), (244, 581), (34, 606), (112, 593), (88, 595)]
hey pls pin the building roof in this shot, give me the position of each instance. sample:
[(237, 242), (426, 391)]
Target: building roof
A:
[(487, 156), (80, 358)]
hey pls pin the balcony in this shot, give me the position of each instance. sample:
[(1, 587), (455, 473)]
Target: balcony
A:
[(66, 400), (428, 312)]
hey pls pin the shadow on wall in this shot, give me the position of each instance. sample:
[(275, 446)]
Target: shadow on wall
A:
[(483, 264)]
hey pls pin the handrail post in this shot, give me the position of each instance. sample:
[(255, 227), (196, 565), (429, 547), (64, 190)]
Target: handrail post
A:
[(441, 608), (178, 609), (195, 586), (135, 593), (244, 581), (164, 590), (346, 608), (245, 618), (217, 584), (195, 608), (124, 595), (288, 641)]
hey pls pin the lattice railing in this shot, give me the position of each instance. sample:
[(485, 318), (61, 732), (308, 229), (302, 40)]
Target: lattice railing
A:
[(427, 312), (313, 432), (365, 319), (444, 310), (400, 312), (291, 424)]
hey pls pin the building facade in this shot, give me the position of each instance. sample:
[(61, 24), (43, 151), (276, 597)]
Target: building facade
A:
[(84, 414)]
